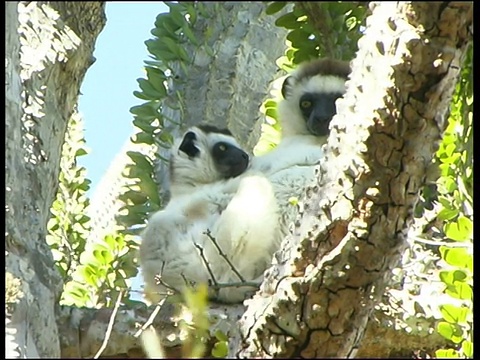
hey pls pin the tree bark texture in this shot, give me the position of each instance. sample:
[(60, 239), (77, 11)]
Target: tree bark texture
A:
[(351, 229), (49, 47), (224, 87)]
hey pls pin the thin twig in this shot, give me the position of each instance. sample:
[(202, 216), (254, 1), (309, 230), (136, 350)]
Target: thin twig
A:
[(187, 282), (159, 281), (222, 254), (206, 264), (110, 326), (236, 284), (150, 318), (440, 243)]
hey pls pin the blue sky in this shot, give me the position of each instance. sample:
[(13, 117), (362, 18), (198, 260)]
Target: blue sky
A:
[(107, 89)]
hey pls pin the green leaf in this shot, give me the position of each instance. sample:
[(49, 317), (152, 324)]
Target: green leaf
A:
[(161, 32), (351, 22), (288, 21), (460, 230), (220, 335), (449, 277), (220, 349), (76, 292), (457, 257), (148, 89), (156, 77), (161, 18), (176, 13), (103, 256), (300, 38), (447, 214), (449, 183), (189, 34), (449, 331), (88, 273), (467, 348), (460, 290), (136, 197), (150, 188), (446, 354), (142, 138), (141, 161), (454, 314), (80, 152), (172, 45), (110, 241), (132, 218), (166, 137), (271, 113), (144, 124), (275, 7)]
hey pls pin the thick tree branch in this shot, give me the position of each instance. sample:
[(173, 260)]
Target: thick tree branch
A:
[(49, 47), (317, 301)]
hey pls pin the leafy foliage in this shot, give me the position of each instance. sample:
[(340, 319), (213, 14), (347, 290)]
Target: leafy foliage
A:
[(68, 228), (93, 272), (195, 321), (455, 188), (104, 270), (321, 29), (172, 33)]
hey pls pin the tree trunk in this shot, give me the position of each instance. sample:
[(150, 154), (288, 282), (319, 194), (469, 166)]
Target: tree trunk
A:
[(49, 47), (352, 228)]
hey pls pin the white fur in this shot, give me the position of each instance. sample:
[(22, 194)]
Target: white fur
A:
[(241, 214), (293, 165), (248, 215), (289, 112), (191, 173)]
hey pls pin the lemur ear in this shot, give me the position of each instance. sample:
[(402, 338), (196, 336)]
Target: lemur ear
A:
[(287, 86), (188, 144)]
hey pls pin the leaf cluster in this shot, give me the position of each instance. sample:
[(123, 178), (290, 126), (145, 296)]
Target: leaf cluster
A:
[(69, 226), (93, 273), (172, 34), (320, 29), (455, 188), (104, 270)]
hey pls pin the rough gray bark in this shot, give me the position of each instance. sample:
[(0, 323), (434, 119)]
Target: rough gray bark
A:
[(225, 87), (352, 229), (49, 46)]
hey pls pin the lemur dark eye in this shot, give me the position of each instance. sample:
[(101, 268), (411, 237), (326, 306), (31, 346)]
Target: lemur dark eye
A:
[(305, 104), (222, 147)]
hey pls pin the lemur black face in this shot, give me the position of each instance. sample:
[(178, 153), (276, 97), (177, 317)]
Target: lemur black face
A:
[(318, 110), (188, 144), (229, 159)]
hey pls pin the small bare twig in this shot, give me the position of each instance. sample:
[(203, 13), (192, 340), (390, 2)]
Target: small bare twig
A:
[(189, 283), (202, 255), (222, 254), (110, 326), (441, 243), (159, 281), (236, 284), (150, 318)]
